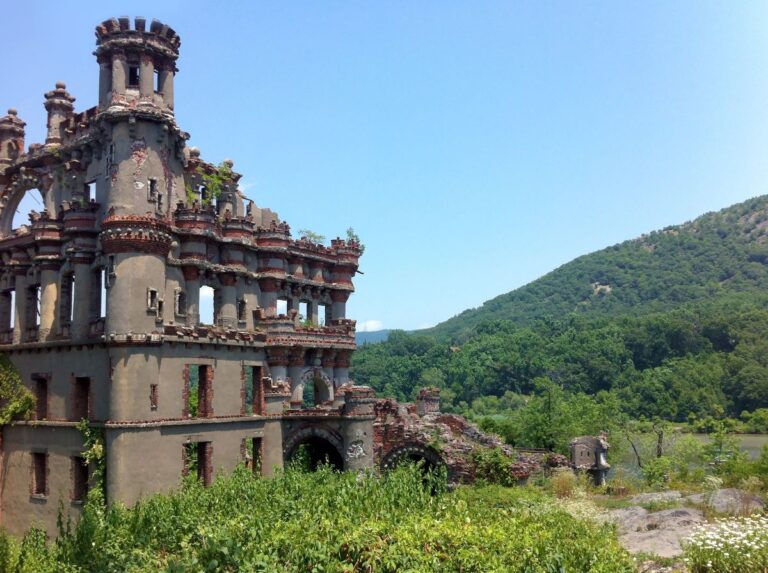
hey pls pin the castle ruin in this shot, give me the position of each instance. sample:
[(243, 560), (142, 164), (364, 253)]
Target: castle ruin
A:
[(101, 313)]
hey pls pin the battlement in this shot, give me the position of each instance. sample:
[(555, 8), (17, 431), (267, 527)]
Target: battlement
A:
[(115, 31)]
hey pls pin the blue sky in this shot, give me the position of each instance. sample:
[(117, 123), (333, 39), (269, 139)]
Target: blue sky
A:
[(473, 146)]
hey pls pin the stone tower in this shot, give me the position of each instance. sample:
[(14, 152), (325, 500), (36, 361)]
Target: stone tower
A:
[(101, 308)]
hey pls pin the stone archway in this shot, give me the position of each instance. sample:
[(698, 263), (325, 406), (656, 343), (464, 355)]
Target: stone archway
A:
[(12, 195), (321, 446), (322, 385), (413, 452)]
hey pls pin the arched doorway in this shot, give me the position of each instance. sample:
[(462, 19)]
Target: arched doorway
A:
[(413, 453), (313, 447), (316, 388)]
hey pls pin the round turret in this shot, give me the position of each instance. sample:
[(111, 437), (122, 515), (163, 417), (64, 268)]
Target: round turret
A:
[(129, 58), (59, 105), (11, 137)]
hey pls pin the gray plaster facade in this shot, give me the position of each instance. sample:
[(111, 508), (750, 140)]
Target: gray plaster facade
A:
[(100, 302)]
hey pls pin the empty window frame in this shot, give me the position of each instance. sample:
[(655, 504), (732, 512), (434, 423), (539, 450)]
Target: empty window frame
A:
[(67, 300), (39, 474), (180, 302), (304, 310), (323, 314), (252, 454), (81, 398), (198, 461), (153, 395), (282, 306), (89, 191), (241, 309), (133, 74), (152, 299), (253, 391), (208, 305), (33, 306), (79, 479), (199, 391), (41, 396), (7, 309)]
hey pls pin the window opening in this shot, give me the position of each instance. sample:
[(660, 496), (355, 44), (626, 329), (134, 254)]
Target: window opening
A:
[(322, 314), (199, 392), (152, 190), (282, 306), (89, 191), (241, 310), (41, 397), (39, 474), (304, 310), (153, 396), (197, 461), (181, 303), (7, 309), (133, 75), (81, 399), (79, 479), (253, 449), (152, 299), (207, 311)]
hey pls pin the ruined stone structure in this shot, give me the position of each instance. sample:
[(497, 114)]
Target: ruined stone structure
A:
[(100, 302), (100, 311)]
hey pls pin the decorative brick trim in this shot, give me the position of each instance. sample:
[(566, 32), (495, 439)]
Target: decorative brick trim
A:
[(185, 394)]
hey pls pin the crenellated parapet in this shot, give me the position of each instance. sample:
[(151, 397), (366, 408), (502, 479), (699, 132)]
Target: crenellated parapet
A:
[(135, 234)]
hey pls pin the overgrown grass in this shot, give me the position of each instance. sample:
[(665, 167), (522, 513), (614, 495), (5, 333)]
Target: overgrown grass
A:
[(325, 521)]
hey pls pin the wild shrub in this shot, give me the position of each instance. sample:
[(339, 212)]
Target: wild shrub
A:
[(328, 521)]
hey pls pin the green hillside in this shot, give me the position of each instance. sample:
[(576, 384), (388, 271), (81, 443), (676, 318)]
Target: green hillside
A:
[(718, 253), (672, 325)]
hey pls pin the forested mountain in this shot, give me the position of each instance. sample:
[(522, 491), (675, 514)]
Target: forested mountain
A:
[(718, 253), (672, 325)]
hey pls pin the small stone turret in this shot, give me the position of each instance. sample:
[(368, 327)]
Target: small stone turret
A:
[(128, 59), (428, 401), (11, 138), (588, 453), (59, 105)]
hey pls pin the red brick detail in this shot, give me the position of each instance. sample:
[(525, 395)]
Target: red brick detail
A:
[(277, 356), (190, 273), (259, 384), (342, 358), (228, 279), (296, 356), (267, 284), (205, 462), (339, 295)]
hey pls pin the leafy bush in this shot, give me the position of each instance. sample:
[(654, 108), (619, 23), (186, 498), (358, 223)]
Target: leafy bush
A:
[(330, 522)]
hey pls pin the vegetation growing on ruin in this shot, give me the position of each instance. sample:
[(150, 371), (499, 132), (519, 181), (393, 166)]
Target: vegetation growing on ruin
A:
[(325, 521), (16, 401), (312, 236), (215, 183)]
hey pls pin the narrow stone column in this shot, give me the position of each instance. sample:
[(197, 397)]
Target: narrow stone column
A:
[(296, 369), (277, 358), (81, 315), (105, 83), (49, 298), (339, 306), (20, 312), (192, 290), (268, 299), (119, 73), (228, 317), (341, 370), (146, 77), (165, 84)]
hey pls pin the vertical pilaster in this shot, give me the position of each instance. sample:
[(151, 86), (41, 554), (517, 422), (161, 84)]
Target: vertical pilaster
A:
[(49, 299), (228, 317)]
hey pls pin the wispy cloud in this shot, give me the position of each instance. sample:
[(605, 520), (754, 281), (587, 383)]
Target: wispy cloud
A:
[(370, 326)]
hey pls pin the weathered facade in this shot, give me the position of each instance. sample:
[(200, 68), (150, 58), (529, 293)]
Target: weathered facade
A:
[(100, 311), (100, 302)]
